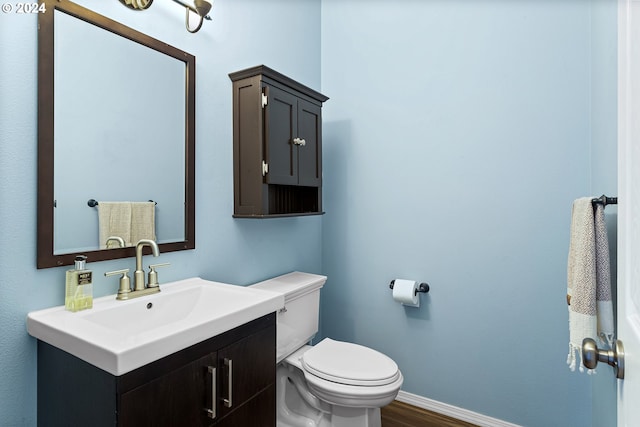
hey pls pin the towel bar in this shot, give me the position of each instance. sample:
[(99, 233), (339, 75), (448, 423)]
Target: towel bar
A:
[(92, 203)]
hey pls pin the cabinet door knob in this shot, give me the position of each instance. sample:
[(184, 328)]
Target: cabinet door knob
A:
[(300, 142)]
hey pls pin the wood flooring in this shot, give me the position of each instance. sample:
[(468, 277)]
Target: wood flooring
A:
[(399, 414)]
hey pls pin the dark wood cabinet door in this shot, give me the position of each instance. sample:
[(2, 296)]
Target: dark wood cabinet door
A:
[(245, 369), (309, 154), (289, 118), (179, 398), (280, 130), (258, 412)]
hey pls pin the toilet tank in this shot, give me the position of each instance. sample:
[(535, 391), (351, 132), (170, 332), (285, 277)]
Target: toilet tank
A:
[(297, 322)]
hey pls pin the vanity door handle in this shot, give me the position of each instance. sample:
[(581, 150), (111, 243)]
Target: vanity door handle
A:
[(211, 413), (299, 141), (229, 364)]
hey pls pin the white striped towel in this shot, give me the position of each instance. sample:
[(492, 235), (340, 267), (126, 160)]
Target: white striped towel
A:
[(603, 280), (588, 280)]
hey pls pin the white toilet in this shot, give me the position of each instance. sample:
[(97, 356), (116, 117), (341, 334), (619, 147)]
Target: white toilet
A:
[(333, 383)]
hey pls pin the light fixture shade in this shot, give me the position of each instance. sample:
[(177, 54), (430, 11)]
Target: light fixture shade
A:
[(137, 4), (202, 6)]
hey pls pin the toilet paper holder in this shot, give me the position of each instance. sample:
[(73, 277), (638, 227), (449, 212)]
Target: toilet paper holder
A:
[(423, 287)]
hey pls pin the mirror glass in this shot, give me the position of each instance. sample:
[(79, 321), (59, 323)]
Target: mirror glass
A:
[(117, 127), (125, 142)]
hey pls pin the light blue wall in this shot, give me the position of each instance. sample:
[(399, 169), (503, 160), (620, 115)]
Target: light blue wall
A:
[(243, 33), (457, 136)]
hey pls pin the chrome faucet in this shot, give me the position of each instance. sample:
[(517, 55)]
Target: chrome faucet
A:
[(138, 276), (139, 288)]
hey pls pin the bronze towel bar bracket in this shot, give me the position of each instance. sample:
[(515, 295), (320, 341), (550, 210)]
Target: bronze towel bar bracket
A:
[(604, 201)]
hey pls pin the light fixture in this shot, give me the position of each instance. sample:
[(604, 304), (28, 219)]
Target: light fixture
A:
[(200, 8)]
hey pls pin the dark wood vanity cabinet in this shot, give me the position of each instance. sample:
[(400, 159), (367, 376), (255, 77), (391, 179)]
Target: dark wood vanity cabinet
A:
[(277, 145), (228, 380)]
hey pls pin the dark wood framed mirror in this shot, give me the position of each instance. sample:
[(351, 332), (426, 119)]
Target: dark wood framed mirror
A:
[(131, 169)]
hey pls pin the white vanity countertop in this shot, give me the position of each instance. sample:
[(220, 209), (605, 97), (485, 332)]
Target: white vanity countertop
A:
[(120, 336)]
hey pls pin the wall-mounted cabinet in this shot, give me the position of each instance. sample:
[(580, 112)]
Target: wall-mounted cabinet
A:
[(277, 145)]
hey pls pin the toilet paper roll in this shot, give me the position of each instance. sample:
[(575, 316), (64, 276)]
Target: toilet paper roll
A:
[(404, 291)]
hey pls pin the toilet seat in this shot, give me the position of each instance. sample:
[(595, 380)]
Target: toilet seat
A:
[(349, 364), (337, 391)]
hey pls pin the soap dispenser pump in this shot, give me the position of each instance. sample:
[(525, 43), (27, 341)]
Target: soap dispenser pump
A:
[(79, 287)]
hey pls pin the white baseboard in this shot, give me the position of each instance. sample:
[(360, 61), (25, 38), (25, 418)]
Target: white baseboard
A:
[(451, 411)]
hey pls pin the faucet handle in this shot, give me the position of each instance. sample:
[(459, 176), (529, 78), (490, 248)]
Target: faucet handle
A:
[(125, 283), (153, 274)]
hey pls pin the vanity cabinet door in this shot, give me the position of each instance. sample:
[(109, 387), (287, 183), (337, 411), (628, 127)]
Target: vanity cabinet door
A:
[(258, 412), (246, 380), (179, 398)]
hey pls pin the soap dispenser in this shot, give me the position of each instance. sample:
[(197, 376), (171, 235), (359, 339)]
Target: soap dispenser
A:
[(79, 287)]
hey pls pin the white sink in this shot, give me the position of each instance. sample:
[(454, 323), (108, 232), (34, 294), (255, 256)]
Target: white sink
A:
[(120, 336)]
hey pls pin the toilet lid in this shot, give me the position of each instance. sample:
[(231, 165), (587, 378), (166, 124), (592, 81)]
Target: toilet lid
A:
[(350, 364)]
